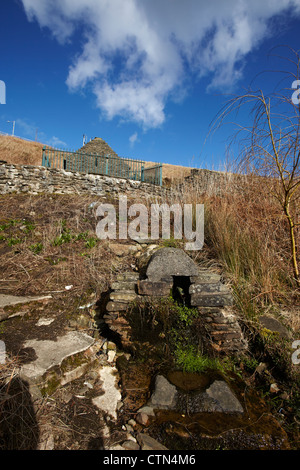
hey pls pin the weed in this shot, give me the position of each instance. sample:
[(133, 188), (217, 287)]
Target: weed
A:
[(13, 241), (36, 248), (91, 242)]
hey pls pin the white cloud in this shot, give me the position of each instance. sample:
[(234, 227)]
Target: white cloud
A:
[(134, 51), (133, 139)]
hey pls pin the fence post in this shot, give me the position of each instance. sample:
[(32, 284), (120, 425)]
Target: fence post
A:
[(44, 157), (160, 174), (142, 173), (106, 165)]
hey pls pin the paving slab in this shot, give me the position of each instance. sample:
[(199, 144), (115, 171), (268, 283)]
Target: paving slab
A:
[(52, 353)]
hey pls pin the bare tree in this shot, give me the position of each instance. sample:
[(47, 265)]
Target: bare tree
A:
[(270, 147)]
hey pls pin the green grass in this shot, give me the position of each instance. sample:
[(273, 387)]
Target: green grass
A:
[(190, 360)]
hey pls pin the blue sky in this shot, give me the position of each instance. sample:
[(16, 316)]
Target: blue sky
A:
[(146, 76)]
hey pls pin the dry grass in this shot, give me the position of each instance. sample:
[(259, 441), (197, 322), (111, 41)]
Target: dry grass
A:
[(49, 242), (172, 172), (17, 151), (246, 238)]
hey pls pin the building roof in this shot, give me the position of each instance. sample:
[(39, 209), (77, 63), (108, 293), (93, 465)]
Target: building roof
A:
[(98, 146)]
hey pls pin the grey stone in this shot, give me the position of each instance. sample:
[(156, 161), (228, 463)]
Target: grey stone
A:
[(211, 299), (108, 401), (157, 288), (221, 393), (167, 262)]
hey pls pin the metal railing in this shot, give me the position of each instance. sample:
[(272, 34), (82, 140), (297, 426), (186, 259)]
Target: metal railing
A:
[(109, 165)]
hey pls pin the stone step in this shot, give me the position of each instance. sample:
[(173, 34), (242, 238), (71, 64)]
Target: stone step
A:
[(205, 276), (116, 306), (123, 296), (128, 276), (124, 285), (211, 300)]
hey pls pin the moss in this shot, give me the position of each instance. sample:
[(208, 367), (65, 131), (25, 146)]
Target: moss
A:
[(52, 382)]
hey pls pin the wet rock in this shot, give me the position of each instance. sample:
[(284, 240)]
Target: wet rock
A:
[(164, 396), (225, 398), (148, 443)]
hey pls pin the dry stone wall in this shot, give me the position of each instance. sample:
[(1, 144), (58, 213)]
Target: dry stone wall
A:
[(37, 179)]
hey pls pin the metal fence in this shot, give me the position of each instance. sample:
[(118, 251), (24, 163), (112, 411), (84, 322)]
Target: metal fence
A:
[(108, 165)]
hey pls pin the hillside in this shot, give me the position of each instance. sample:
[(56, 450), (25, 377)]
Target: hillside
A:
[(19, 151)]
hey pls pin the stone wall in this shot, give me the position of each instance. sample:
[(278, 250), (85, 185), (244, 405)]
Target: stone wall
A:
[(213, 182), (37, 179)]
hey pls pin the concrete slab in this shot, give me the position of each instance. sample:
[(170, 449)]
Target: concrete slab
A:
[(52, 353)]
